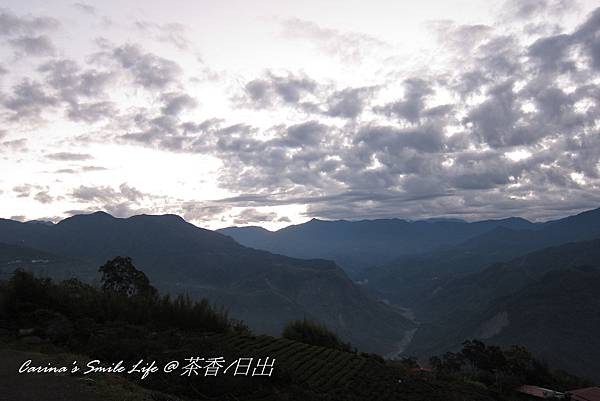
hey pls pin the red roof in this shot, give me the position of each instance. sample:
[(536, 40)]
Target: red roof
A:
[(420, 370), (586, 394), (538, 392)]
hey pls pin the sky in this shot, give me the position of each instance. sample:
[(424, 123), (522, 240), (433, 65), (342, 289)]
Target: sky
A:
[(273, 112)]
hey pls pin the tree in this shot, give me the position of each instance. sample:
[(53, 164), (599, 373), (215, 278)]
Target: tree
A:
[(452, 362), (410, 362), (482, 357), (119, 276), (518, 360)]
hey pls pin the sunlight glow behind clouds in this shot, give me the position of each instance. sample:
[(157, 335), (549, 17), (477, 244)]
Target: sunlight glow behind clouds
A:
[(379, 109)]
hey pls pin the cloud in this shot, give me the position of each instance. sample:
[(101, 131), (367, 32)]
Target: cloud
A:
[(411, 107), (276, 90), (75, 86), (79, 170), (495, 121), (550, 53), (304, 94), (525, 8), (43, 197), (175, 103), (85, 8), (15, 145), (348, 46), (107, 194), (67, 156), (588, 36), (148, 70), (27, 35), (91, 112), (81, 91), (349, 102), (123, 201), (33, 45), (72, 81), (11, 24), (93, 168), (173, 33), (39, 193), (528, 9), (202, 211), (29, 99), (504, 121), (251, 215), (22, 191), (419, 155), (390, 140)]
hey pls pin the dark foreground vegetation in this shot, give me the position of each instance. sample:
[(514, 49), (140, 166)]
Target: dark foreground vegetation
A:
[(126, 319), (502, 369), (314, 333)]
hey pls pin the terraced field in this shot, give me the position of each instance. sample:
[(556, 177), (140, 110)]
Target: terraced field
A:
[(301, 372), (327, 374), (316, 368)]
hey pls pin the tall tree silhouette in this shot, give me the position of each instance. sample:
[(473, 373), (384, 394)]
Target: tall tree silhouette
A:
[(120, 276)]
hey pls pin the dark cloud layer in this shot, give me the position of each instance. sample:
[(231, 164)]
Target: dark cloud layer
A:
[(148, 70), (277, 90), (11, 24), (34, 45), (124, 201), (28, 35), (509, 126)]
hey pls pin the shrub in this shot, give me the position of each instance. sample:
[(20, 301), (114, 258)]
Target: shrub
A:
[(25, 293), (314, 333)]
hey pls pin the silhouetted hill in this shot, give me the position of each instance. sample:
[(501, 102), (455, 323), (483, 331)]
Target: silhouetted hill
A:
[(547, 300), (264, 289), (357, 245), (411, 279)]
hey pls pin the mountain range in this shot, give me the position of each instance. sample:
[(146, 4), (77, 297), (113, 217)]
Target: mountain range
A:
[(411, 279), (498, 280), (357, 245), (263, 289), (418, 288)]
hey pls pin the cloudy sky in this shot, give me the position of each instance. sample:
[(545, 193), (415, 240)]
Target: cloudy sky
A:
[(273, 112)]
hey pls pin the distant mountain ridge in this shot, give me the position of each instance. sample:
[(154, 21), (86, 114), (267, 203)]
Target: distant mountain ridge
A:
[(264, 289), (357, 245), (410, 279)]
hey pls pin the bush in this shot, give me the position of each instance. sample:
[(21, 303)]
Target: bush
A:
[(314, 333), (502, 369), (25, 293)]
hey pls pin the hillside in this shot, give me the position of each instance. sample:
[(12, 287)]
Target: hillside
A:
[(411, 280), (43, 263), (263, 289), (557, 318), (547, 300), (70, 321)]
